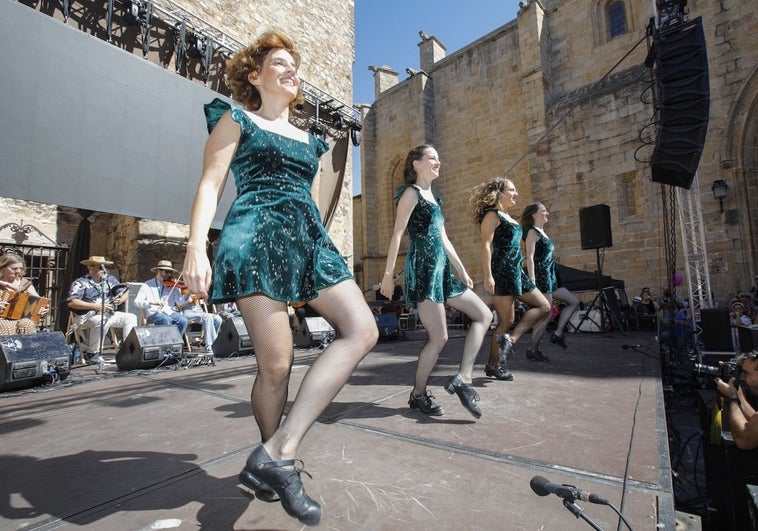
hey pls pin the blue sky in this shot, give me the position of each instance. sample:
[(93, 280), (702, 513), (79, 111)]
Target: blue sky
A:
[(386, 33)]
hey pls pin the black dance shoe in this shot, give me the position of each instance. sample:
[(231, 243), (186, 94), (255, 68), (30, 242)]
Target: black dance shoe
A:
[(465, 393), (499, 372), (425, 404), (536, 355), (558, 340), (506, 345), (285, 482), (262, 491)]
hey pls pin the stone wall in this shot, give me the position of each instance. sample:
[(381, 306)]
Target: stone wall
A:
[(527, 100)]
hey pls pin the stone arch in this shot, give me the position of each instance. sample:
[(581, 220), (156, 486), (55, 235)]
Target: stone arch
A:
[(739, 167), (601, 25)]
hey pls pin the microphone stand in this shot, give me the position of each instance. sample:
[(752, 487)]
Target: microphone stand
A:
[(103, 287), (579, 512)]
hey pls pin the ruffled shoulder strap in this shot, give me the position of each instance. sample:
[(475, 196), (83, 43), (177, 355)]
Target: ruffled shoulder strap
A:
[(525, 231), (214, 111), (488, 209), (322, 146), (401, 190)]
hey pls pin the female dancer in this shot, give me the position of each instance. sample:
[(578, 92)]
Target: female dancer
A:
[(541, 268), (429, 283), (503, 276), (273, 249), (12, 282)]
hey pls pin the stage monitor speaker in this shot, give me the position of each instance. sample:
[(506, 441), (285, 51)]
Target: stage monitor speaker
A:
[(683, 103), (595, 227), (314, 331), (232, 338), (147, 347), (388, 325), (717, 329), (33, 359)]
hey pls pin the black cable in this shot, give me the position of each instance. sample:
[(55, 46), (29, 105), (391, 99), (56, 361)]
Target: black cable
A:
[(568, 111)]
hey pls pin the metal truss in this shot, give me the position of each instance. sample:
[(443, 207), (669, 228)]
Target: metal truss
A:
[(691, 227)]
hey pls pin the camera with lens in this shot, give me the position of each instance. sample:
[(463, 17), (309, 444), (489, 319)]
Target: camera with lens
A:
[(725, 371)]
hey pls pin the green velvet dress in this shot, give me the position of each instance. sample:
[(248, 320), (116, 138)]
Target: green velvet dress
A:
[(544, 265), (273, 241), (427, 273), (507, 260)]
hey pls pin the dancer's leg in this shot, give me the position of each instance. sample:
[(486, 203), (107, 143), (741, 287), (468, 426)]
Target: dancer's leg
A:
[(481, 317)]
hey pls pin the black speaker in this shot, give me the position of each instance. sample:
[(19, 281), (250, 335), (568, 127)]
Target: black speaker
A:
[(147, 347), (683, 103), (595, 226), (314, 331), (232, 338), (748, 337), (717, 329), (388, 325), (32, 359)]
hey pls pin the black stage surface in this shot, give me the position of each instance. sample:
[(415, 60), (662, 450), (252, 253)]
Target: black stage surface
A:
[(161, 449)]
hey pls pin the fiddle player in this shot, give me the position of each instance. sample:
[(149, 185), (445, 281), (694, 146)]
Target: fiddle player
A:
[(12, 282), (89, 295), (161, 300)]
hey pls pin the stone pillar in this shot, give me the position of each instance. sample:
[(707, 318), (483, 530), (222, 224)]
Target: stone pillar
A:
[(384, 78)]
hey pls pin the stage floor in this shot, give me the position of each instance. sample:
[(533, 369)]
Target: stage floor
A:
[(161, 449)]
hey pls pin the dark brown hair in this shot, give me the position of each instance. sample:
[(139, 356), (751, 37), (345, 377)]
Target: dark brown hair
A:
[(413, 155)]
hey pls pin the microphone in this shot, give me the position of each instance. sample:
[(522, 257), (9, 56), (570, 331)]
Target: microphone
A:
[(542, 487), (627, 347)]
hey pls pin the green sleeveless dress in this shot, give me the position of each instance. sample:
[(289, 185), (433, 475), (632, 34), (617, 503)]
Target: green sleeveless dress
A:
[(544, 265), (427, 272), (507, 260), (273, 241)]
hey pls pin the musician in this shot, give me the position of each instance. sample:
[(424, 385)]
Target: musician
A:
[(162, 299), (85, 300), (12, 283)]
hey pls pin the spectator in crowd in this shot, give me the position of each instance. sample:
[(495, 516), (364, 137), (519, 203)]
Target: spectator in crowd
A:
[(741, 401), (649, 302)]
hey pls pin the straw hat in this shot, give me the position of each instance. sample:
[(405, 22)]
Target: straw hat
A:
[(96, 260), (164, 264)]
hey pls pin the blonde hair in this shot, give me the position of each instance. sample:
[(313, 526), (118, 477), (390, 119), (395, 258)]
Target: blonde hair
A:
[(12, 258), (486, 195)]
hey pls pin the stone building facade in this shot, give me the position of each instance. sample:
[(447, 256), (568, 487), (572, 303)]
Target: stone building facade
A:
[(557, 104), (325, 34)]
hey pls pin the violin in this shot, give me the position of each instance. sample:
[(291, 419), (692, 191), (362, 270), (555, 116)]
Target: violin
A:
[(182, 287), (171, 283)]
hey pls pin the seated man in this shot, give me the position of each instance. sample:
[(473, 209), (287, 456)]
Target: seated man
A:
[(94, 311), (741, 401), (161, 299), (195, 313)]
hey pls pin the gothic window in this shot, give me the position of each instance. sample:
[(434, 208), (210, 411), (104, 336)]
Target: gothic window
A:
[(616, 19), (627, 190)]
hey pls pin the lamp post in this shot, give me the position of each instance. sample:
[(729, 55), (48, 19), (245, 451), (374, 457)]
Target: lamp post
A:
[(719, 189)]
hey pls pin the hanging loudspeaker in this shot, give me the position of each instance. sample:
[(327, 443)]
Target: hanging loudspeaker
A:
[(683, 103), (595, 227)]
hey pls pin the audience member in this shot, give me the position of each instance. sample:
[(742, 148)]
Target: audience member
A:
[(649, 302)]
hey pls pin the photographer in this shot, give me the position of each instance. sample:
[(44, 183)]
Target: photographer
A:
[(741, 401)]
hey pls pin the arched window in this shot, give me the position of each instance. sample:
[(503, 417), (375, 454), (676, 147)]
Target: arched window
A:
[(616, 19)]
